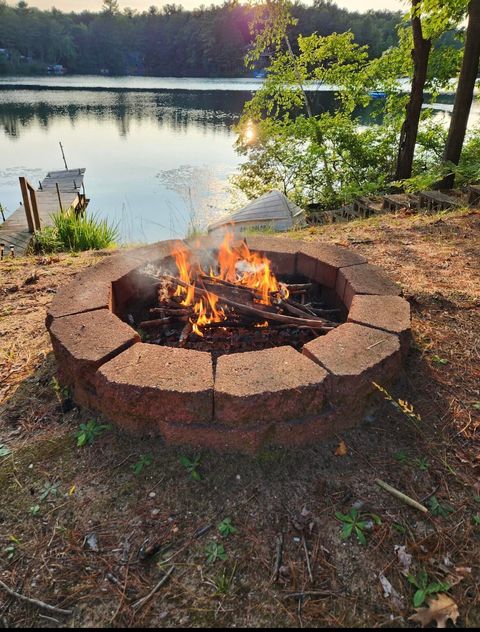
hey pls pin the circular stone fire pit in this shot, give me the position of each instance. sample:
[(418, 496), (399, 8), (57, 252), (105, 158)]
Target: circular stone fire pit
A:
[(276, 396)]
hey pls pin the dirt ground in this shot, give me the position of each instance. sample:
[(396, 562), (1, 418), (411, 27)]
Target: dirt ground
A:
[(81, 530)]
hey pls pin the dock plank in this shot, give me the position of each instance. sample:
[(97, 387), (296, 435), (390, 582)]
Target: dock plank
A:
[(14, 230)]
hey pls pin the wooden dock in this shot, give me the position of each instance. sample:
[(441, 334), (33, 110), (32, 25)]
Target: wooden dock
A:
[(59, 191)]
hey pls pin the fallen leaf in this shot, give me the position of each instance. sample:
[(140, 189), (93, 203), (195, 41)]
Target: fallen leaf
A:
[(457, 575), (439, 610), (341, 450), (404, 558)]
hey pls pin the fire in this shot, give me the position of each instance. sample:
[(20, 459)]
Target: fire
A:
[(237, 265)]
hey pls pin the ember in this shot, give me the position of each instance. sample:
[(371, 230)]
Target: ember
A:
[(238, 305)]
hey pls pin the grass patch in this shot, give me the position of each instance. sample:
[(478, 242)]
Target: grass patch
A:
[(76, 233)]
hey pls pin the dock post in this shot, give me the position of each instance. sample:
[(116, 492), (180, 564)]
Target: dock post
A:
[(26, 204), (35, 213), (59, 198)]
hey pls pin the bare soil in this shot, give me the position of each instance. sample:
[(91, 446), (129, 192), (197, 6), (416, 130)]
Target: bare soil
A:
[(104, 536)]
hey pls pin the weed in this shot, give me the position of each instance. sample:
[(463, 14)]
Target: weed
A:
[(425, 587), (226, 528), (34, 510), (4, 450), (438, 509), (62, 392), (89, 432), (476, 520), (192, 467), (222, 583), (356, 523), (421, 463), (438, 360), (400, 404), (144, 461), (214, 552), (49, 490), (476, 405), (75, 233), (401, 456), (11, 549)]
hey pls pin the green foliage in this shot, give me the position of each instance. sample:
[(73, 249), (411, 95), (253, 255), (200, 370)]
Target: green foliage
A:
[(12, 549), (4, 451), (226, 528), (34, 510), (420, 462), (214, 552), (425, 588), (85, 232), (438, 360), (356, 523), (192, 467), (89, 432), (144, 461), (167, 41), (438, 509), (49, 490)]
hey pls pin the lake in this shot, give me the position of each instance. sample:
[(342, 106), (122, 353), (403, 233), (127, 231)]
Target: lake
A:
[(158, 151)]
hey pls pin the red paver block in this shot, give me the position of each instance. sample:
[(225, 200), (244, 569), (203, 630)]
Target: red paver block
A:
[(82, 343), (91, 289), (148, 384), (281, 252), (320, 262), (355, 356), (267, 386), (307, 431), (364, 279), (243, 439), (390, 313)]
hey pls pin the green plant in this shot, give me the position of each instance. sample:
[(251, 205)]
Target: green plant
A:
[(144, 461), (4, 450), (401, 456), (422, 463), (47, 241), (62, 392), (192, 467), (438, 360), (49, 489), (222, 583), (11, 549), (424, 587), (89, 432), (76, 233), (226, 528), (439, 509), (356, 523), (214, 552), (34, 510)]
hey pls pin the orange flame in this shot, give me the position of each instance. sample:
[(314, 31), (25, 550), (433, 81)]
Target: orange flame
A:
[(237, 265)]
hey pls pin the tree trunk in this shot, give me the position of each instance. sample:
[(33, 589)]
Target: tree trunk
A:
[(409, 131), (464, 95)]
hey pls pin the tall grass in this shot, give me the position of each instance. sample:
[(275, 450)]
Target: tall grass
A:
[(76, 233)]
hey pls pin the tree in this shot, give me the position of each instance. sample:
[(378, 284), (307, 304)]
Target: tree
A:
[(430, 20), (409, 131), (464, 94)]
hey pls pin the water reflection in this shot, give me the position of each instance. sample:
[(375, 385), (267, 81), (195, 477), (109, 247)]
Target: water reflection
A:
[(178, 111)]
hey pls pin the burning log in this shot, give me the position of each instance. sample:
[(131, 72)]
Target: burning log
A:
[(319, 324)]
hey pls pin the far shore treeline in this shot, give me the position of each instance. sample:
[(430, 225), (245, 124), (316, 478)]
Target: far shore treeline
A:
[(164, 41)]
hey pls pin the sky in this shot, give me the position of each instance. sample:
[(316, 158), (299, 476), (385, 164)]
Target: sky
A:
[(79, 5)]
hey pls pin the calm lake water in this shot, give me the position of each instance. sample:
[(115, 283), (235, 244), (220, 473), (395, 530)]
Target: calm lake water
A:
[(158, 151)]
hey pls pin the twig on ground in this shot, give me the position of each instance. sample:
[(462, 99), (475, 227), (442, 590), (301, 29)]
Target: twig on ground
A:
[(403, 497), (278, 558), (35, 602), (141, 602), (307, 557)]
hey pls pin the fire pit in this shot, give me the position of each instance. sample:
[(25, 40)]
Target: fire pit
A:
[(267, 341)]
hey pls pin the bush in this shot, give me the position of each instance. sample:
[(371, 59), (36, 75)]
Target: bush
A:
[(76, 233)]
